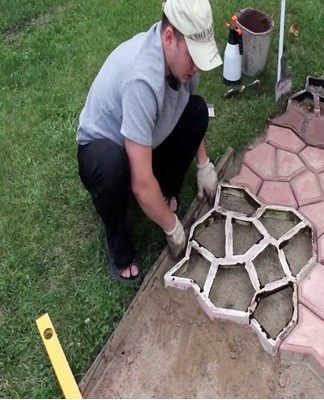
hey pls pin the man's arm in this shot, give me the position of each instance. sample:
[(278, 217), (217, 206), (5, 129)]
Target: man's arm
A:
[(146, 187), (201, 155)]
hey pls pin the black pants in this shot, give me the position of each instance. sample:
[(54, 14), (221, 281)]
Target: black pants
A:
[(105, 172)]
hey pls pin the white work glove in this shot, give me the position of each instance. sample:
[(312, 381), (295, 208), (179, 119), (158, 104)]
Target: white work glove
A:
[(176, 238), (206, 180)]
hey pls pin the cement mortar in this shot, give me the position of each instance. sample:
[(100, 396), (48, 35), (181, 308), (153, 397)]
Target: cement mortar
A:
[(278, 226), (196, 268), (232, 288), (245, 235), (295, 259), (239, 203), (213, 238), (275, 311), (268, 266)]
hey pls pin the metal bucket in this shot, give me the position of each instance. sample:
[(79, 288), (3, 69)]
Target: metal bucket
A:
[(257, 28)]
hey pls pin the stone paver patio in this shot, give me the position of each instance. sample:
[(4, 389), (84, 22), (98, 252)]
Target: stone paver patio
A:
[(288, 170)]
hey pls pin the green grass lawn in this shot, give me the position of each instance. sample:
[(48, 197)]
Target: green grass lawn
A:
[(51, 241)]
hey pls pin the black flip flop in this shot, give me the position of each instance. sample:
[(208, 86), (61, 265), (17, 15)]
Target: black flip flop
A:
[(115, 272)]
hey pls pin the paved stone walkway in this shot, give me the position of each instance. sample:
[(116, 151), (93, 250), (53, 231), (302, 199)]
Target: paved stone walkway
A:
[(288, 170)]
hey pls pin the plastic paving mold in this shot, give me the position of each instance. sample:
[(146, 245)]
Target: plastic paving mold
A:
[(241, 265)]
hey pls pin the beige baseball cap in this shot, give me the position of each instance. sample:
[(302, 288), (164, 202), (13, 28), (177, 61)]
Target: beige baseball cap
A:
[(194, 19)]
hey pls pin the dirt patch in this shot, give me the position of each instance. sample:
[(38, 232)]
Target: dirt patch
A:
[(168, 348)]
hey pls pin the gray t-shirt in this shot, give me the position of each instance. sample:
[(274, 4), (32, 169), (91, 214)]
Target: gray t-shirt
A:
[(130, 96)]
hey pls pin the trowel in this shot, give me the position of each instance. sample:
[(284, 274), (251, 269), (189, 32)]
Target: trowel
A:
[(284, 83)]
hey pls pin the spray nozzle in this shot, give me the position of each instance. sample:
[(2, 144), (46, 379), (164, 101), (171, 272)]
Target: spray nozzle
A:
[(233, 25), (235, 33)]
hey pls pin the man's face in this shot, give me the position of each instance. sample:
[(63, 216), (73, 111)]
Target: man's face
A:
[(180, 62)]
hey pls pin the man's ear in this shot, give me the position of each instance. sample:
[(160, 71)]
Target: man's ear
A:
[(168, 35)]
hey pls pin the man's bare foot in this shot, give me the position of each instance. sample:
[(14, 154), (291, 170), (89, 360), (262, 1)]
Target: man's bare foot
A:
[(131, 271)]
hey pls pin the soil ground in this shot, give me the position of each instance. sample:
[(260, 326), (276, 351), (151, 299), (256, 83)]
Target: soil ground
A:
[(167, 347)]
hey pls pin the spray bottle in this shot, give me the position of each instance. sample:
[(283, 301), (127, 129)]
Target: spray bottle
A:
[(233, 54)]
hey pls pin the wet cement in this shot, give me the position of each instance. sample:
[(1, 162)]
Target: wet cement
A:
[(245, 235), (212, 237), (268, 266), (275, 311), (297, 260), (196, 268), (239, 201), (232, 288), (277, 223)]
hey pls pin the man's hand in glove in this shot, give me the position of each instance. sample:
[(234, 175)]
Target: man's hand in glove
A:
[(176, 238), (206, 180)]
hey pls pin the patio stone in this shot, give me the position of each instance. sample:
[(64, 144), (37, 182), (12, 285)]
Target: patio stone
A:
[(307, 188), (284, 138), (315, 214), (320, 248), (247, 178), (289, 165), (321, 178), (278, 193), (314, 158), (314, 133), (291, 119), (261, 160), (307, 336), (311, 290)]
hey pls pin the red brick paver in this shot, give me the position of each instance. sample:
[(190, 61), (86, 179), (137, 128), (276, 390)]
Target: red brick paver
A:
[(321, 178), (307, 188), (278, 193), (320, 247), (315, 132), (307, 336), (284, 139), (311, 290), (315, 214), (261, 160), (247, 178), (287, 171), (289, 165), (313, 158), (291, 119)]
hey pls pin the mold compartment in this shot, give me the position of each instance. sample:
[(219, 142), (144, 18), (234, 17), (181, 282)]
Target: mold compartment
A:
[(245, 235), (196, 268), (238, 200), (268, 266), (275, 310), (297, 260), (211, 234), (304, 100), (232, 288), (315, 85), (278, 222)]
